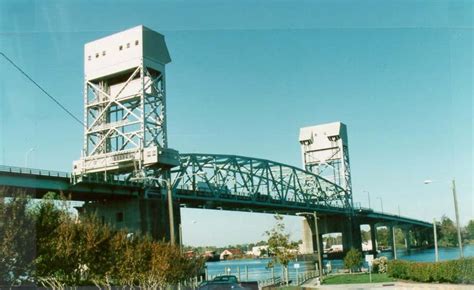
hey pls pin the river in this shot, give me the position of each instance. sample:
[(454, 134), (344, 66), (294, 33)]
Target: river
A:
[(256, 269)]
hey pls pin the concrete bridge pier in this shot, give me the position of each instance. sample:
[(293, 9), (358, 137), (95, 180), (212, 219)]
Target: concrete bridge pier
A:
[(408, 240), (373, 239), (351, 234), (392, 240), (147, 215), (347, 226)]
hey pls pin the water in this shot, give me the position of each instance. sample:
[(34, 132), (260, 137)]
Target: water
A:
[(428, 255), (257, 268)]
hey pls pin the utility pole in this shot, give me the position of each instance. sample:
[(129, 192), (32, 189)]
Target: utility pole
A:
[(394, 243), (318, 246), (368, 197), (435, 235), (457, 219), (170, 208), (316, 230)]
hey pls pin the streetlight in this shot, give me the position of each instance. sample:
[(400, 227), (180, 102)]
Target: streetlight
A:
[(27, 154), (368, 196), (315, 216), (429, 181), (435, 236), (381, 202)]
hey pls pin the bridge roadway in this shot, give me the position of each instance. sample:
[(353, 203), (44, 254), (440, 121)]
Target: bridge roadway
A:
[(212, 181), (37, 182)]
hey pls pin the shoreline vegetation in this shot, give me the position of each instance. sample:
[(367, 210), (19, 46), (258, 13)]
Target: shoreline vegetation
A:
[(43, 244)]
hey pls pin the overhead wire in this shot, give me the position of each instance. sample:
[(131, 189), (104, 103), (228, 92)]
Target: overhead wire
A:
[(43, 90)]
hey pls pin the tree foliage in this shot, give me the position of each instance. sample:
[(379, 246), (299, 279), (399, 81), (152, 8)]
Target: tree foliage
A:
[(470, 230), (447, 233), (353, 260), (85, 252), (280, 246), (17, 235)]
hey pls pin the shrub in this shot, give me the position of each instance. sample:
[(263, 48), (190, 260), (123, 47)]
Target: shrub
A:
[(353, 259), (456, 271), (379, 265)]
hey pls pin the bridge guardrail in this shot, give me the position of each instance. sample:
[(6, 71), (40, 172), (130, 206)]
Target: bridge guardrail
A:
[(33, 171)]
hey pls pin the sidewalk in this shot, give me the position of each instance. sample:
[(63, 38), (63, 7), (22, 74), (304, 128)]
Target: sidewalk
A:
[(311, 284)]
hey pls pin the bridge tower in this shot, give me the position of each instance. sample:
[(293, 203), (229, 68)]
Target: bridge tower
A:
[(325, 152), (125, 106), (125, 136)]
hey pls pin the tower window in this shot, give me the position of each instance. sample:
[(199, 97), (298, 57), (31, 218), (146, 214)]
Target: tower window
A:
[(121, 47), (136, 42), (89, 57), (103, 53), (96, 55), (128, 45)]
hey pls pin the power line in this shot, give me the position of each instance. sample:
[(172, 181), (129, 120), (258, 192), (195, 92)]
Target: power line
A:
[(43, 90)]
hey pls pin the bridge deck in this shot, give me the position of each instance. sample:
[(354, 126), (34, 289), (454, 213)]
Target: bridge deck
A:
[(36, 183)]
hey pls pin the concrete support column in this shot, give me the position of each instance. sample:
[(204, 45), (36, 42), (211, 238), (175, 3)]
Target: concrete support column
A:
[(351, 235), (309, 245), (392, 240), (138, 215), (406, 234), (373, 238)]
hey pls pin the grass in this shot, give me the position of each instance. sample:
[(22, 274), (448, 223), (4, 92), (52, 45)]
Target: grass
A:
[(356, 278)]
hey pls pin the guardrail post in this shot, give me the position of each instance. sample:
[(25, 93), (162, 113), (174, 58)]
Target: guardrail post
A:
[(238, 271)]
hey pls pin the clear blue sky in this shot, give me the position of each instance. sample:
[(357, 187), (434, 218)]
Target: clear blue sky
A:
[(246, 75)]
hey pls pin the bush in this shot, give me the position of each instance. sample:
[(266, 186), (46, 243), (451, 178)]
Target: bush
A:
[(379, 265), (456, 271), (353, 260)]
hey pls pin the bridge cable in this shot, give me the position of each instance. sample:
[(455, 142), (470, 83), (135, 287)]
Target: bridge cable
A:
[(43, 90)]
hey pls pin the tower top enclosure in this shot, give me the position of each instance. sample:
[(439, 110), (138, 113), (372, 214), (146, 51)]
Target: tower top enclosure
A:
[(125, 105), (124, 51), (325, 152)]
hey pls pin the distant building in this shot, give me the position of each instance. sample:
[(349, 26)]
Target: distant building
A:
[(258, 251), (211, 256), (230, 254)]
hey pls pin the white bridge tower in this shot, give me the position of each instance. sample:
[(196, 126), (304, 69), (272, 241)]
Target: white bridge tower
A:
[(325, 152), (125, 105)]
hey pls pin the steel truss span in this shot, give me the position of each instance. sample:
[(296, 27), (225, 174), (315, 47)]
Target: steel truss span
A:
[(258, 180)]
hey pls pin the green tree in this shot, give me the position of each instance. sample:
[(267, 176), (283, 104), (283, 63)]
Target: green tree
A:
[(280, 246), (353, 260), (447, 232), (365, 235), (17, 240), (470, 230), (383, 237)]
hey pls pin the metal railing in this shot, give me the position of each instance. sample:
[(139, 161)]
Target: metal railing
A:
[(34, 171)]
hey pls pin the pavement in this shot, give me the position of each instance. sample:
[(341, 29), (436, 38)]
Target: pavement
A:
[(312, 284)]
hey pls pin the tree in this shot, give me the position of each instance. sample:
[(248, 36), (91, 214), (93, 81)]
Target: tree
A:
[(353, 259), (383, 237), (280, 246), (85, 252), (17, 240), (470, 230), (447, 233)]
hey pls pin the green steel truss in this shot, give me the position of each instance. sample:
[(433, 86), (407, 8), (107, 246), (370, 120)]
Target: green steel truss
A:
[(259, 180)]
